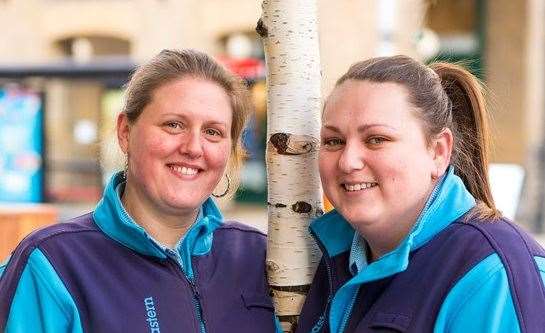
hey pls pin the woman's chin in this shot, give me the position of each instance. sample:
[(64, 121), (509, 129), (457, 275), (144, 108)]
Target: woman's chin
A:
[(184, 204), (360, 218)]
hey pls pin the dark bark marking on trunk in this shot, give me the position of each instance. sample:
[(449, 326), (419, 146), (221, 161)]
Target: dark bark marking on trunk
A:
[(288, 144), (279, 205), (280, 142), (301, 207), (261, 29)]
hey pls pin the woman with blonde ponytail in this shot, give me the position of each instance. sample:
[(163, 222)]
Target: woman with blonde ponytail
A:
[(415, 242)]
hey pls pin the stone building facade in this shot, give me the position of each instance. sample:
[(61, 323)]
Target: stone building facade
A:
[(503, 35)]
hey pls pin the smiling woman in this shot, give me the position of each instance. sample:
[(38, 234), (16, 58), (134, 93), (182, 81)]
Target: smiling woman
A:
[(177, 152), (415, 243), (374, 160), (155, 254)]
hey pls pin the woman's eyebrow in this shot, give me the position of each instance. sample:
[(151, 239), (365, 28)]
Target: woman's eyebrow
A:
[(366, 127), (361, 128)]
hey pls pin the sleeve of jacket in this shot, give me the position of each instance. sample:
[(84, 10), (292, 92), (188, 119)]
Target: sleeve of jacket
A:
[(480, 302), (34, 298)]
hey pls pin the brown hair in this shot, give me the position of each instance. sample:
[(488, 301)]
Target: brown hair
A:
[(446, 96), (171, 65)]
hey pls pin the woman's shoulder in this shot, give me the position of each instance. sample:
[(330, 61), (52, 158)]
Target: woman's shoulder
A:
[(503, 235), (232, 226), (468, 244), (68, 236), (506, 279), (474, 239), (233, 233), (52, 233)]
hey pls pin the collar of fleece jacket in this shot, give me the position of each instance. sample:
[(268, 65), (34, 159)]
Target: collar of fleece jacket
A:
[(114, 221), (449, 202)]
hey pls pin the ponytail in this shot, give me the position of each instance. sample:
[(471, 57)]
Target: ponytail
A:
[(470, 126)]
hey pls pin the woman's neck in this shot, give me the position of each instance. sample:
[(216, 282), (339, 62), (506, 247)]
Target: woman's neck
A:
[(167, 228), (381, 242), (383, 238)]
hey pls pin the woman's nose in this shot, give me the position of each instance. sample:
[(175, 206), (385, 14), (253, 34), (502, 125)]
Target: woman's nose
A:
[(192, 146), (351, 158)]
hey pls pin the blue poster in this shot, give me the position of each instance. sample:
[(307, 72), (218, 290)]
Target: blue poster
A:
[(21, 160)]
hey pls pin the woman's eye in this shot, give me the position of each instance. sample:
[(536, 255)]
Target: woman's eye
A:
[(376, 140), (174, 125), (212, 132), (332, 142)]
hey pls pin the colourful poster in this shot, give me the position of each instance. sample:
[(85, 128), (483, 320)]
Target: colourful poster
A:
[(21, 152)]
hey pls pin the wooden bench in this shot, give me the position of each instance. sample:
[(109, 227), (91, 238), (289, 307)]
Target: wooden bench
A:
[(18, 220)]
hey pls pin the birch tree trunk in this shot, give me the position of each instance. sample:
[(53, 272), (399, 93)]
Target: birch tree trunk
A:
[(289, 30)]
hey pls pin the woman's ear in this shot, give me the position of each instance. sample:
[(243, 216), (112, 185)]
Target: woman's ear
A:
[(441, 148), (123, 131)]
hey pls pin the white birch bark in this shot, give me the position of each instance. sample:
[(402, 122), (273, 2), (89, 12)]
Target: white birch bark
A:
[(289, 30)]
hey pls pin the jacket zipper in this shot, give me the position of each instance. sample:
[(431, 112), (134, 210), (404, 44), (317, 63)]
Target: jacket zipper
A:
[(194, 290), (197, 304), (348, 312)]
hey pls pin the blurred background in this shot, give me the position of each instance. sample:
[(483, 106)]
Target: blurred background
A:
[(63, 64)]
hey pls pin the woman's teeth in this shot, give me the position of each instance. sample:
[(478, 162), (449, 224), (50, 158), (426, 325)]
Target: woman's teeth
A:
[(184, 170), (358, 187)]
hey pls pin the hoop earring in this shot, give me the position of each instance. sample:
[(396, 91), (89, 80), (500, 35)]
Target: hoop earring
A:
[(226, 190)]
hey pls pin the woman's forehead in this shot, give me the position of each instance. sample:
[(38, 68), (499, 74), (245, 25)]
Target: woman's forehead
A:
[(353, 100)]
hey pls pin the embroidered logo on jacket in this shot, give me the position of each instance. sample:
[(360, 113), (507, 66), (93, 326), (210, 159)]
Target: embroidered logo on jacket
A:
[(151, 313)]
